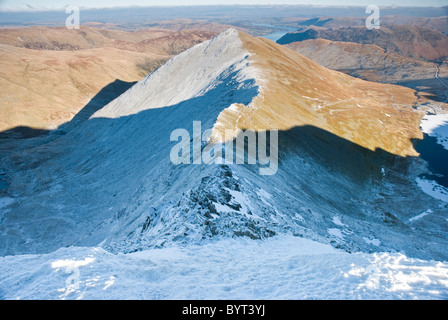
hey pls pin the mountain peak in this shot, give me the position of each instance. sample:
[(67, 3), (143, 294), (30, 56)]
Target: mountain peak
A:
[(229, 32), (187, 75)]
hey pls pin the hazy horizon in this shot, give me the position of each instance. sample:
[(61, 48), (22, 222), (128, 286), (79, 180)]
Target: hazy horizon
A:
[(6, 5)]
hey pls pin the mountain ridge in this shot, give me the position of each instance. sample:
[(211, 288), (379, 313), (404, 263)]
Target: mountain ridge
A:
[(110, 181)]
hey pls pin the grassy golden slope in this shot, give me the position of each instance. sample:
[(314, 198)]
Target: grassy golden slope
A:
[(47, 75), (47, 88), (300, 92)]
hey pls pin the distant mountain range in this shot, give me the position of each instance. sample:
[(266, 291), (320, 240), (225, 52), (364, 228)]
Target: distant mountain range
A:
[(408, 41)]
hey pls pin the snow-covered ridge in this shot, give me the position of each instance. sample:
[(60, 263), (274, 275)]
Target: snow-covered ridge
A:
[(187, 75), (110, 181), (106, 200), (117, 164)]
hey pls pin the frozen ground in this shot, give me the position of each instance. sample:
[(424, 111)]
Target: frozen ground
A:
[(433, 189), (282, 267)]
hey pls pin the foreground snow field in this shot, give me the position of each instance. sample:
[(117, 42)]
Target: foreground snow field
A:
[(283, 267)]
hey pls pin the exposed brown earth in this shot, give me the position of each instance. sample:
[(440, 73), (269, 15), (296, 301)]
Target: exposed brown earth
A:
[(154, 40)]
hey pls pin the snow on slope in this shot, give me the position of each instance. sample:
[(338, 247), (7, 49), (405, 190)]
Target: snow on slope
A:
[(433, 189), (436, 125), (186, 76), (110, 176), (110, 182), (105, 199), (282, 267)]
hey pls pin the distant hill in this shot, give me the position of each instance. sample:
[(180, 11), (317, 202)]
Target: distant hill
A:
[(439, 24), (409, 41), (48, 75)]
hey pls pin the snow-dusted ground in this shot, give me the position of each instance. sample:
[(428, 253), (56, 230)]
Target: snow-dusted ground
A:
[(282, 267), (188, 75), (433, 189)]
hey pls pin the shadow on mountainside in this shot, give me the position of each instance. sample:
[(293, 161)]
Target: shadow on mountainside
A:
[(431, 89), (107, 172), (107, 94)]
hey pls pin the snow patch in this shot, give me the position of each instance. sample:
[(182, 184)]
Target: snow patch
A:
[(233, 108), (336, 233), (72, 263), (436, 126), (374, 242), (337, 221), (245, 207), (433, 189), (222, 208), (266, 198), (264, 195), (418, 217), (244, 201)]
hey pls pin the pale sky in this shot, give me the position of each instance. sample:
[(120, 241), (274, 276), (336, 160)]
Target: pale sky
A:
[(58, 4)]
